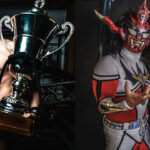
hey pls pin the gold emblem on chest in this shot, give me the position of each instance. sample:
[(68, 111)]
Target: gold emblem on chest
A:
[(141, 78)]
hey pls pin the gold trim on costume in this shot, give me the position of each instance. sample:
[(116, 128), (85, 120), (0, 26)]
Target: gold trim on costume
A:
[(109, 108)]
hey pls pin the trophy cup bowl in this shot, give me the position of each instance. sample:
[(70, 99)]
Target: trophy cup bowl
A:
[(32, 32)]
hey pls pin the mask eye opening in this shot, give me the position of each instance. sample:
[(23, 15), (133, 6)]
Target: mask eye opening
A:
[(132, 32), (145, 35)]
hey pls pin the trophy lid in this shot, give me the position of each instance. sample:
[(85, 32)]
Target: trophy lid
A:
[(37, 10), (38, 7)]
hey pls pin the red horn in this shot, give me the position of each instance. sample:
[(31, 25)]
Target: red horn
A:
[(108, 21)]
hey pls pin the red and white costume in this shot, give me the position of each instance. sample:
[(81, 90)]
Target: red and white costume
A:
[(109, 78), (125, 128)]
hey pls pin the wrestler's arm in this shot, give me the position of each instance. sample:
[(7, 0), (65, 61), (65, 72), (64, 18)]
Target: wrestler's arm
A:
[(104, 92), (34, 104), (35, 100), (105, 85)]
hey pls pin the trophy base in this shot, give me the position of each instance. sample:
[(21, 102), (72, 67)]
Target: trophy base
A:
[(16, 124), (11, 105)]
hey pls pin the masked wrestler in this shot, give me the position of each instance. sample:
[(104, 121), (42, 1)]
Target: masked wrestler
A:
[(6, 83), (121, 84)]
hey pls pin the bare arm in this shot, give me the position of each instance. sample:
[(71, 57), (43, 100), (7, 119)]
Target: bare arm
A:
[(34, 105), (35, 100)]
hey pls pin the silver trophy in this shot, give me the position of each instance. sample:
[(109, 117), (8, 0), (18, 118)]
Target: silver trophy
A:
[(33, 30)]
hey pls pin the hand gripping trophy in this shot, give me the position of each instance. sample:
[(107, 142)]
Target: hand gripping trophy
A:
[(33, 30)]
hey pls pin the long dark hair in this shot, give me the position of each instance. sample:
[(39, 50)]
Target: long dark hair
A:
[(115, 42)]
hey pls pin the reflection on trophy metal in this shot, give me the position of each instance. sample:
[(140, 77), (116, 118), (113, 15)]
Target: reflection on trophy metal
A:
[(33, 30), (16, 102)]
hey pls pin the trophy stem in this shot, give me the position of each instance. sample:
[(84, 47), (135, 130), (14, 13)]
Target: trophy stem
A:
[(19, 85)]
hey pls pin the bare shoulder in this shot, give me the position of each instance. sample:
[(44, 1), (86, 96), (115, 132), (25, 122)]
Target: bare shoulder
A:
[(4, 52), (3, 47)]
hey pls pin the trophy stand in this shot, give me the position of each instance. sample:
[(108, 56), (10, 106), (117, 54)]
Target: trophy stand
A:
[(14, 106), (15, 103)]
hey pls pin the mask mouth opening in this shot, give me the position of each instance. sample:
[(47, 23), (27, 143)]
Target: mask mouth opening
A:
[(137, 44)]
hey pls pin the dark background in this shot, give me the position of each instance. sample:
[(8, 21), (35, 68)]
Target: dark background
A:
[(82, 54)]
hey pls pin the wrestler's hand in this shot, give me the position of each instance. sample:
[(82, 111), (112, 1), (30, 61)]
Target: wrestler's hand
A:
[(133, 98), (33, 113), (29, 115)]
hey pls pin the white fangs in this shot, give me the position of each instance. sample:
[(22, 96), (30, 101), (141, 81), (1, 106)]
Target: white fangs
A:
[(141, 45), (133, 43)]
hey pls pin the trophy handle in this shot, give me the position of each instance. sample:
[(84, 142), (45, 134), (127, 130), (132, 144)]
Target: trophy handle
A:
[(9, 24), (64, 28)]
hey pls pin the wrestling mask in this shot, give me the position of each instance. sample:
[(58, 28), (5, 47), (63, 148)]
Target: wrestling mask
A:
[(135, 34)]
